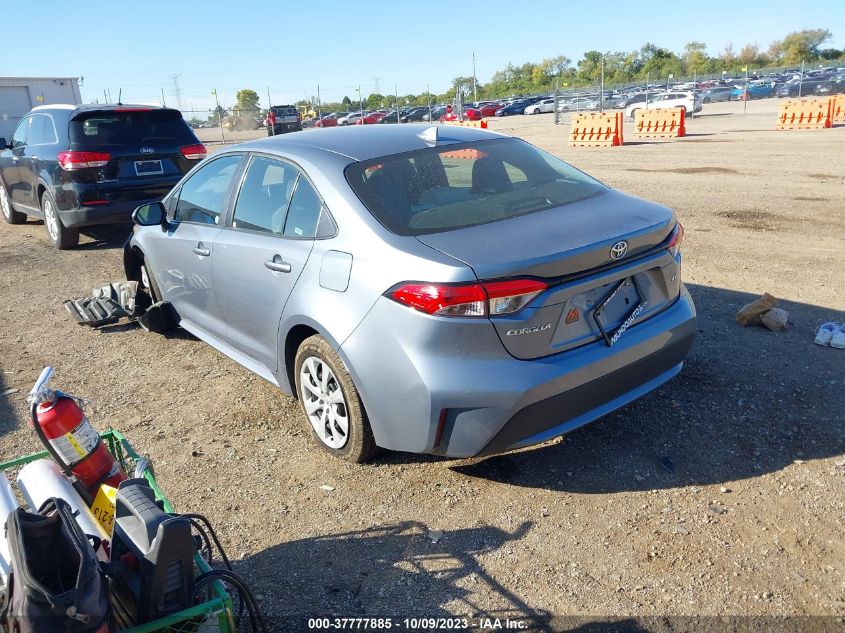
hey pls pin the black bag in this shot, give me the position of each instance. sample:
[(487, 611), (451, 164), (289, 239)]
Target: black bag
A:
[(55, 584)]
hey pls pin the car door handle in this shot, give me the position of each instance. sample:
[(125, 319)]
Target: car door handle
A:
[(277, 265), (201, 250)]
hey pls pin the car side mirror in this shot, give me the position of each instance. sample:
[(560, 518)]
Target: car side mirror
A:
[(3, 143), (152, 214)]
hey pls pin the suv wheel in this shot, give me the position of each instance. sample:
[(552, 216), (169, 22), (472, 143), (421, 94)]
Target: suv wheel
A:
[(9, 214), (60, 236), (331, 403)]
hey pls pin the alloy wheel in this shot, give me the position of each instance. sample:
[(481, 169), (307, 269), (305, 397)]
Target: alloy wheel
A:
[(324, 402), (4, 203), (50, 219)]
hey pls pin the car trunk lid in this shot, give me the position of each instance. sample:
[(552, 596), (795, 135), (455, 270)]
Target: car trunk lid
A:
[(570, 249)]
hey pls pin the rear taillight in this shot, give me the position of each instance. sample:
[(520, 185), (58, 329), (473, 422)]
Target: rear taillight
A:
[(675, 239), (194, 152), (70, 161), (492, 298)]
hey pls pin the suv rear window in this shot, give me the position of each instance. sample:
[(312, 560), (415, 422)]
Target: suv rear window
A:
[(455, 186), (110, 127), (285, 112)]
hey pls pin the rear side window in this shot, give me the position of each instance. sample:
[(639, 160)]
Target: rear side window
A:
[(41, 131), (445, 188), (111, 127), (264, 196), (304, 212), (203, 196)]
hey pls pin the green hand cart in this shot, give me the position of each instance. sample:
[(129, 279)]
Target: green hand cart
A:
[(216, 613)]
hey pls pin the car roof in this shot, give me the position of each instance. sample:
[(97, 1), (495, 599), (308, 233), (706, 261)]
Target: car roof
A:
[(366, 142), (95, 107)]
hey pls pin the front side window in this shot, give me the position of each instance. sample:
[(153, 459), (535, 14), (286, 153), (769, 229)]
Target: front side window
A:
[(456, 186), (264, 196), (19, 136), (203, 196)]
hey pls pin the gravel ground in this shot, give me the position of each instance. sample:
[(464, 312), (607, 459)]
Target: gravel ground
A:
[(721, 493)]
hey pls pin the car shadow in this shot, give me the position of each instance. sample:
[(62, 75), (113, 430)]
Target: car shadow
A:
[(104, 237), (365, 573), (748, 402)]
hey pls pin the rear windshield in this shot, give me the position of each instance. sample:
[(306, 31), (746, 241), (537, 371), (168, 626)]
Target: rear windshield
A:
[(118, 128), (285, 111), (455, 186)]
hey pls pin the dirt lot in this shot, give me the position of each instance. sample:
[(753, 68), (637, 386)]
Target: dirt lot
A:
[(721, 493)]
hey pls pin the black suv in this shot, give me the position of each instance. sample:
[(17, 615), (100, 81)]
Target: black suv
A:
[(288, 119), (75, 166)]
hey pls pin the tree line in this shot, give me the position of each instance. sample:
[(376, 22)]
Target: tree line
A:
[(649, 62)]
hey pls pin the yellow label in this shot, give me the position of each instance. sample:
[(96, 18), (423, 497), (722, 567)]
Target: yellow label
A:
[(103, 507)]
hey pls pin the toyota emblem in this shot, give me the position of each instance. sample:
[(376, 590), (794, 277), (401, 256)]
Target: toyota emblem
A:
[(618, 250)]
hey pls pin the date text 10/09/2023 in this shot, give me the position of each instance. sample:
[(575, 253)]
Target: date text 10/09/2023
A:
[(415, 624)]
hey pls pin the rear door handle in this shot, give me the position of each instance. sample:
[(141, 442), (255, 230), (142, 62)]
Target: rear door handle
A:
[(201, 250), (277, 264)]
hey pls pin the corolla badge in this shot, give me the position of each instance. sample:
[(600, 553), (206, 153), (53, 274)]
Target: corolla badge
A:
[(618, 250), (528, 330)]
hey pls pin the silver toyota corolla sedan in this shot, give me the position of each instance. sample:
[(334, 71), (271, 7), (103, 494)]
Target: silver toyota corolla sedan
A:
[(439, 290)]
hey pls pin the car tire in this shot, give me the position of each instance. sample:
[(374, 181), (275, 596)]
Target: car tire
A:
[(634, 114), (706, 100), (317, 364), (536, 110), (59, 235), (9, 214)]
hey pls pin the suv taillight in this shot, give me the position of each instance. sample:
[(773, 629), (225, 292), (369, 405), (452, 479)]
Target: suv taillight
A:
[(194, 152), (70, 161), (492, 298)]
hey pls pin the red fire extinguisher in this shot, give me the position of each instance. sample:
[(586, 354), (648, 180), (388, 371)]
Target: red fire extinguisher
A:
[(76, 446)]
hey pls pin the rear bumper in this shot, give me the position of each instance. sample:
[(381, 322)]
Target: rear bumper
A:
[(283, 128), (120, 201), (407, 375)]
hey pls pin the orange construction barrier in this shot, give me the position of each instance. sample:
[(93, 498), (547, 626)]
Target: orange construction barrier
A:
[(596, 129), (837, 114), (482, 124), (805, 114), (660, 123)]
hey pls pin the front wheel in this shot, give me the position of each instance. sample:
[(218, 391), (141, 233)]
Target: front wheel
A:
[(330, 402), (9, 214), (60, 236), (706, 99), (536, 110), (634, 114)]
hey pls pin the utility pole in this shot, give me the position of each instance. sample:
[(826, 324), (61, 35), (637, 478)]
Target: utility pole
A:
[(163, 104), (219, 117), (269, 102), (428, 96), (360, 100), (745, 91), (319, 103), (176, 91), (376, 81), (601, 93), (474, 83), (396, 103), (801, 79)]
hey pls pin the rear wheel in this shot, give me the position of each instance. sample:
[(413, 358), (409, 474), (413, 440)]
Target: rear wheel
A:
[(60, 236), (9, 214), (536, 110), (706, 99), (634, 113), (330, 402)]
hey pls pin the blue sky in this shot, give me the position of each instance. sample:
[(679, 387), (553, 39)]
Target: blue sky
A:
[(291, 47)]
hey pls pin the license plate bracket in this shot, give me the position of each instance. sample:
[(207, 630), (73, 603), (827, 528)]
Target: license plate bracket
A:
[(148, 167), (612, 337)]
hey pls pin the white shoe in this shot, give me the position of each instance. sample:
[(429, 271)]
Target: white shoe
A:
[(838, 338), (825, 333)]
